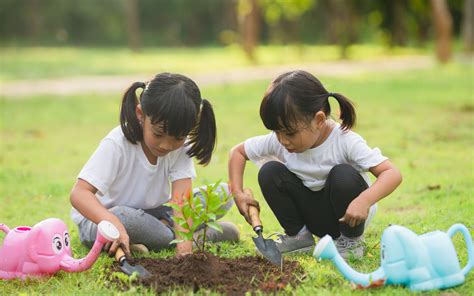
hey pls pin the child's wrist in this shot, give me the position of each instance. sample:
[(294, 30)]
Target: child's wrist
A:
[(365, 200)]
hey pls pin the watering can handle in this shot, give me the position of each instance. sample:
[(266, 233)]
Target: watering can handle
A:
[(467, 238)]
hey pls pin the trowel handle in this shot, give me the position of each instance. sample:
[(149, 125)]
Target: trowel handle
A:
[(255, 219), (120, 255)]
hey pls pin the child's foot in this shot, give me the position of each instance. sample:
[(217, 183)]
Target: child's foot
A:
[(300, 243), (347, 246), (139, 248), (229, 233)]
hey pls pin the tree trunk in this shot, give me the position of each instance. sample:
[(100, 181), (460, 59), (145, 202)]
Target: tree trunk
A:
[(249, 19), (444, 29), (133, 25), (35, 24), (468, 26), (343, 22), (398, 24)]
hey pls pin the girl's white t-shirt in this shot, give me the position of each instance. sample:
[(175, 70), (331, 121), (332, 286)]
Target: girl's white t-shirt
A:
[(313, 165), (123, 175)]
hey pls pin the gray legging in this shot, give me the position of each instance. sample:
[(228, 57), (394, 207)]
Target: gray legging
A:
[(144, 226)]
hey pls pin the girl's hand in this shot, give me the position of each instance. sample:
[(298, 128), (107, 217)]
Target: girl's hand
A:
[(356, 213), (184, 248), (123, 241), (244, 200)]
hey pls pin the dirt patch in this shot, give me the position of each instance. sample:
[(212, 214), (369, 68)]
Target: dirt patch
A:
[(228, 276)]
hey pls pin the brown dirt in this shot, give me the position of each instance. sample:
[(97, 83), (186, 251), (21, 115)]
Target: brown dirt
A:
[(228, 276)]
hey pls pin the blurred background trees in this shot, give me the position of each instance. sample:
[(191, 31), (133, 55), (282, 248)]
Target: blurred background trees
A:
[(144, 23)]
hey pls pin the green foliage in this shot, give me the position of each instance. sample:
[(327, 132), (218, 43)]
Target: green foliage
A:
[(277, 10), (187, 22), (197, 213)]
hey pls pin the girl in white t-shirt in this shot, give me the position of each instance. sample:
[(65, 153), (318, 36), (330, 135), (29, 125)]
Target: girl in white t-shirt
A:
[(314, 172), (129, 177)]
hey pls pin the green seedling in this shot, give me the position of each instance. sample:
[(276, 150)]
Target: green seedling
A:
[(199, 214)]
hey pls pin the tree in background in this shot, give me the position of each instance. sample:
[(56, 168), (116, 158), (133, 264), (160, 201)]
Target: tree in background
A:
[(284, 18), (139, 23), (468, 26), (133, 25), (249, 17), (443, 27), (399, 31), (343, 24)]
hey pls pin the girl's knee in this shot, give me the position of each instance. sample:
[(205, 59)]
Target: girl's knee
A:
[(342, 170), (345, 174), (269, 170), (131, 218)]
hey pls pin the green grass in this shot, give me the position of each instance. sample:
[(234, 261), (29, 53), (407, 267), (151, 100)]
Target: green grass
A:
[(423, 120), (47, 62)]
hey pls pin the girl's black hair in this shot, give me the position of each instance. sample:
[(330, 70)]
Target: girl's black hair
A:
[(296, 96), (175, 101)]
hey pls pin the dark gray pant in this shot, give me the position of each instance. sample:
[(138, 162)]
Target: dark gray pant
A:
[(295, 205), (144, 226)]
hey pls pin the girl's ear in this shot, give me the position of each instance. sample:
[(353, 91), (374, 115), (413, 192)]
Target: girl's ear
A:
[(139, 113), (318, 120)]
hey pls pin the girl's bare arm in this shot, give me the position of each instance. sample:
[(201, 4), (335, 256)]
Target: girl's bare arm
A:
[(388, 179), (236, 167), (84, 200)]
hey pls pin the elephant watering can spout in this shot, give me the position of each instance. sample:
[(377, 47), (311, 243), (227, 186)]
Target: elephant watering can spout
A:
[(326, 249), (106, 232)]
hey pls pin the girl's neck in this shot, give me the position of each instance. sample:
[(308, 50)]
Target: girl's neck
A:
[(151, 158), (325, 132)]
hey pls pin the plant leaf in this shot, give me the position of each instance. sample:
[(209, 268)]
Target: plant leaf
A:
[(215, 226)]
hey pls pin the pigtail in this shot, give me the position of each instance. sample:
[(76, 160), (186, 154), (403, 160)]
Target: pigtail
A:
[(348, 115), (129, 123), (202, 138)]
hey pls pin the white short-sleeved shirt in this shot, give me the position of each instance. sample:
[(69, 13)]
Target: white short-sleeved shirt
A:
[(313, 165), (123, 175)]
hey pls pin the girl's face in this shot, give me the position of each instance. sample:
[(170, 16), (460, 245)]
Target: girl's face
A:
[(305, 136), (156, 142)]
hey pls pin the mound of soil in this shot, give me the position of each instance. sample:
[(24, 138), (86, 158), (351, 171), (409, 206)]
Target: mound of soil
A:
[(228, 276)]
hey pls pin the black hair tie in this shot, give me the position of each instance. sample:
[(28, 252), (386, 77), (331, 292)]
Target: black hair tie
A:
[(330, 94)]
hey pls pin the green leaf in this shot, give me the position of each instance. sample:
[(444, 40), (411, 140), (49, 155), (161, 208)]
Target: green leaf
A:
[(184, 224), (187, 211), (174, 207), (176, 241), (215, 226)]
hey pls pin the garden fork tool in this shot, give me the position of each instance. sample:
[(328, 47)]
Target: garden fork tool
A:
[(267, 247), (130, 269)]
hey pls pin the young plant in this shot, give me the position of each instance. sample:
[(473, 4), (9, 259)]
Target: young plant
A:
[(200, 214)]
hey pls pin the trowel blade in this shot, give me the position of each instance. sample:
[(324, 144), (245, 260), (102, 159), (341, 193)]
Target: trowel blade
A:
[(268, 249)]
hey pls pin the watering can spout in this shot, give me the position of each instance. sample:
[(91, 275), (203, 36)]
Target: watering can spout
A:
[(106, 231), (326, 249)]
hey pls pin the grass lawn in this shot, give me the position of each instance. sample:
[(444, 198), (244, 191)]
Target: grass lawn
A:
[(422, 120), (49, 62)]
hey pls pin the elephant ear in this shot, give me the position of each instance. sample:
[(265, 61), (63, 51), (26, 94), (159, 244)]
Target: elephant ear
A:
[(32, 241)]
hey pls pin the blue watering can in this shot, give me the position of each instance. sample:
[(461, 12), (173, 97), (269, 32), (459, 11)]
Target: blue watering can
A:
[(421, 262)]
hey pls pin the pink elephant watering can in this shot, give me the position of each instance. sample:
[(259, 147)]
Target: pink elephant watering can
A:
[(44, 249)]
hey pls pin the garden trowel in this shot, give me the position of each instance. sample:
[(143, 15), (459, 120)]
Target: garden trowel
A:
[(267, 247), (130, 269)]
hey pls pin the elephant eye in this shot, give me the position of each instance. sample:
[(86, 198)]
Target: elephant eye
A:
[(57, 244), (66, 239)]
